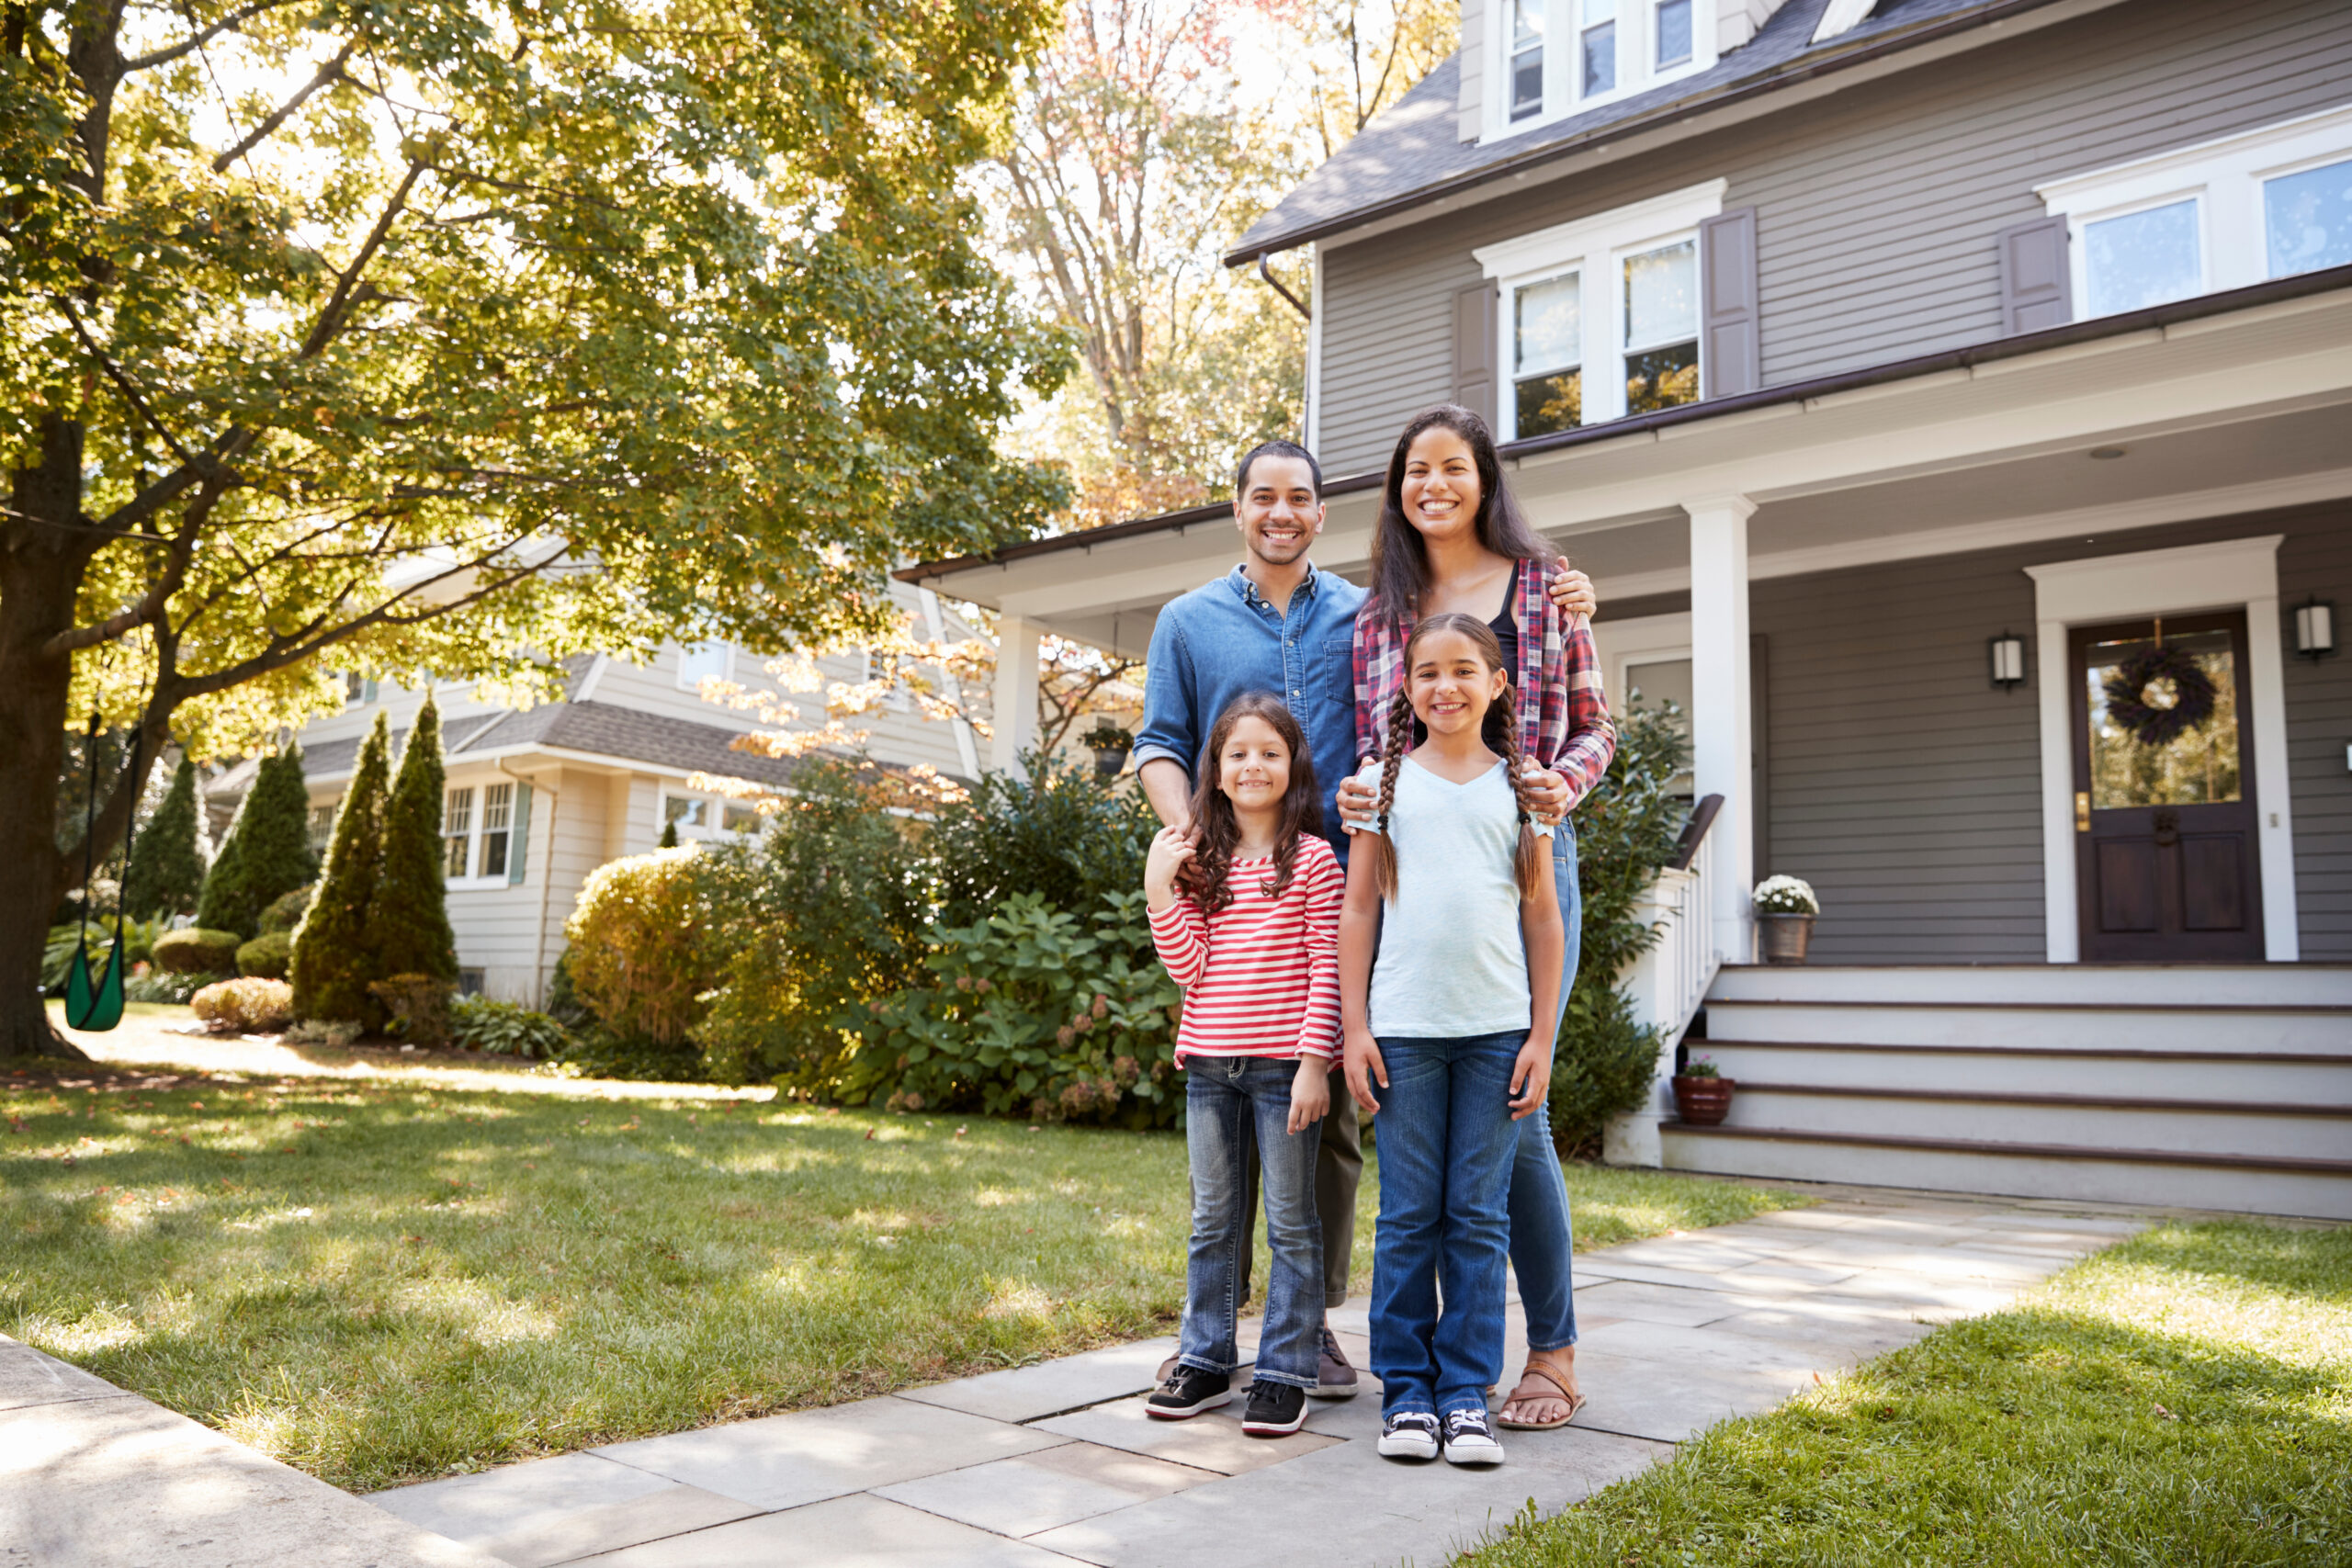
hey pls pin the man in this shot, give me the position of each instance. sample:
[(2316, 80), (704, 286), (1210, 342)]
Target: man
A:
[(1276, 623)]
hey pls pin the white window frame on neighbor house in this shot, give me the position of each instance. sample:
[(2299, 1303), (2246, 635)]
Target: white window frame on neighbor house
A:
[(718, 816), (478, 796), (2227, 177), (690, 679), (1566, 25), (898, 698), (1597, 248)]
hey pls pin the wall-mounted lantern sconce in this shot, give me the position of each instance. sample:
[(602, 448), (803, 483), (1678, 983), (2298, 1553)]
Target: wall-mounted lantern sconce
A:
[(2315, 628), (2007, 654)]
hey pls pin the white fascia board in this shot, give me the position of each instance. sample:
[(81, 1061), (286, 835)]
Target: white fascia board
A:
[(1563, 243), (1842, 16)]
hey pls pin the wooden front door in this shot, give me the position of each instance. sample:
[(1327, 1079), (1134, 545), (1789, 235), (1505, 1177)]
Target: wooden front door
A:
[(2165, 862)]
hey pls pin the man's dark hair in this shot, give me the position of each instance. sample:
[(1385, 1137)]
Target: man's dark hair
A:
[(1276, 449)]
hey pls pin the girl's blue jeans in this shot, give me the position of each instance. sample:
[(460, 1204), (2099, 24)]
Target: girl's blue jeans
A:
[(1225, 1098), (1447, 1148), (1540, 1241)]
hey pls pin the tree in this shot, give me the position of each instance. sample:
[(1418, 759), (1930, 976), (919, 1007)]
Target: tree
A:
[(166, 871), (668, 836), (408, 918), (453, 337), (1359, 58), (332, 961), (267, 853)]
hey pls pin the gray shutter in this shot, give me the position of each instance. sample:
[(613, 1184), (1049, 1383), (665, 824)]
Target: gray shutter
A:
[(1731, 356), (519, 836), (1473, 349), (2036, 286)]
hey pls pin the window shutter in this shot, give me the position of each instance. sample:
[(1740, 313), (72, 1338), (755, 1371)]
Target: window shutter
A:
[(1473, 349), (1731, 357), (519, 836), (2036, 286)]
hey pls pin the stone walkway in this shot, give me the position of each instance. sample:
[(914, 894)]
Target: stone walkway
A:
[(1056, 1464)]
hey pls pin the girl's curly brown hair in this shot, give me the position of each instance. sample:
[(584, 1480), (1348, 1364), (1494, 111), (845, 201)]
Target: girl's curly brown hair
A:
[(1204, 875)]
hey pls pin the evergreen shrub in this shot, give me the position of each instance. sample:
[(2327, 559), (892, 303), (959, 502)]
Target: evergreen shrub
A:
[(418, 1006), (407, 914), (1062, 833), (285, 914), (253, 1006), (196, 951), (267, 955), (332, 964), (267, 852), (166, 875)]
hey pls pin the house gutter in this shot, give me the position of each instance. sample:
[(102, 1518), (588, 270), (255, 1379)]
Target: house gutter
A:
[(2154, 318)]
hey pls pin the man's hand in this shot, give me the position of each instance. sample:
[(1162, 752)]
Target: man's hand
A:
[(1572, 592), (1530, 1078), (1310, 1093), (1170, 848), (1364, 1067)]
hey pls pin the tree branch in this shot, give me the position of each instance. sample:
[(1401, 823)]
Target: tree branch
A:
[(196, 40), (121, 381), (330, 317), (329, 70)]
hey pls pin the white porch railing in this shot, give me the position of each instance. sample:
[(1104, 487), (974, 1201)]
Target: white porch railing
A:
[(1667, 985)]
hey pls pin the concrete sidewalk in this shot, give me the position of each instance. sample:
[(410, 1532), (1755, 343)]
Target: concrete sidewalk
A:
[(1056, 1464)]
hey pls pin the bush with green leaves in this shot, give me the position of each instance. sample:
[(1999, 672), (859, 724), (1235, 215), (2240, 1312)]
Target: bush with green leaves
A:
[(642, 953), (332, 964), (266, 852), (248, 1005), (1062, 833), (138, 941), (158, 985), (506, 1029), (267, 955), (1033, 1011), (285, 913), (407, 930), (1626, 830), (196, 951)]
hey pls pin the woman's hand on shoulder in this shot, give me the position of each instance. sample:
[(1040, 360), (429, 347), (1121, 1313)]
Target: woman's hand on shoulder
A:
[(1572, 592), (1170, 848)]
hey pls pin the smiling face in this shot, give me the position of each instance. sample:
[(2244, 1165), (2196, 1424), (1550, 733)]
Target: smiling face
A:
[(1278, 511), (1253, 765), (1450, 684), (1440, 490)]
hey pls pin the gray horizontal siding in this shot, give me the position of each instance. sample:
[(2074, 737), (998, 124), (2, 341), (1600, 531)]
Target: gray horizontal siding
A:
[(1877, 207), (1906, 789)]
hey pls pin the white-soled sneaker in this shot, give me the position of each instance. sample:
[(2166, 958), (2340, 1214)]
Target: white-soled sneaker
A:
[(1470, 1438), (1409, 1433)]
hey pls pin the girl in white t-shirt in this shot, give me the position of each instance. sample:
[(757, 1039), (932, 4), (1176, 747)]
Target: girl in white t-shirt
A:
[(1448, 1038)]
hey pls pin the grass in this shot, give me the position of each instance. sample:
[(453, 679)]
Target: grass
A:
[(2185, 1398), (382, 1282)]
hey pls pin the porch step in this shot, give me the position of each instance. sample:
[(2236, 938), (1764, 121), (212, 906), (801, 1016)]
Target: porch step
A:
[(2320, 1189), (2301, 1077), (2047, 1026), (2125, 985), (2224, 1128)]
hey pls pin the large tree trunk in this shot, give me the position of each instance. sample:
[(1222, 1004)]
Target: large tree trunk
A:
[(42, 556)]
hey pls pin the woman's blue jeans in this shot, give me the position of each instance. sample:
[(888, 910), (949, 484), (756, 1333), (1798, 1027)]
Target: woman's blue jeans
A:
[(1446, 1156), (1225, 1098), (1541, 1244)]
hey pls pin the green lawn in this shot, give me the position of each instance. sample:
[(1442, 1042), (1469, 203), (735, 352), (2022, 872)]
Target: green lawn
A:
[(383, 1282), (2185, 1398)]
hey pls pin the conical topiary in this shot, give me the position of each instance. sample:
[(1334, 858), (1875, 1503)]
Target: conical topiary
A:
[(669, 835), (408, 919), (166, 874), (332, 962), (268, 852)]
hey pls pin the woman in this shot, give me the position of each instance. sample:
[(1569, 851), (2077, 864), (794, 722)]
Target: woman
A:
[(1451, 540)]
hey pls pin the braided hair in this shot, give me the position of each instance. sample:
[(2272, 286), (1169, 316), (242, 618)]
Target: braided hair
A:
[(1204, 876), (1500, 731)]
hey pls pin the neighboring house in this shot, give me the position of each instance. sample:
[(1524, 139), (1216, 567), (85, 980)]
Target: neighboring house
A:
[(539, 797), (1894, 368)]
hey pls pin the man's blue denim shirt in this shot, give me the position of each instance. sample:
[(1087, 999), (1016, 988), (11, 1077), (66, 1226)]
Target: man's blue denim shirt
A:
[(1224, 638)]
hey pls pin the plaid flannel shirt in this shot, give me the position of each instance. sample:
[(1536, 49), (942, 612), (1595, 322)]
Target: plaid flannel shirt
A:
[(1562, 712)]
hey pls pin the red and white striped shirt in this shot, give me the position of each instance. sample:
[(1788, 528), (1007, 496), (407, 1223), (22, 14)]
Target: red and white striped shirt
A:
[(1261, 975)]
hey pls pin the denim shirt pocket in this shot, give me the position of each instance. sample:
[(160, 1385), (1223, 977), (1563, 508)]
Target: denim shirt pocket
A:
[(1336, 679)]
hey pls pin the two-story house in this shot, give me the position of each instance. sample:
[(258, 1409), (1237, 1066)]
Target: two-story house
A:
[(1902, 371)]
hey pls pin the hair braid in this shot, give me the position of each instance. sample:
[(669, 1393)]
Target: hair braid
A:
[(1392, 756), (1527, 858)]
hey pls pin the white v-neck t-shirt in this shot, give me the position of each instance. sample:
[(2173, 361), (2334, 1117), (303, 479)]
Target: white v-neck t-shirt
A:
[(1452, 960)]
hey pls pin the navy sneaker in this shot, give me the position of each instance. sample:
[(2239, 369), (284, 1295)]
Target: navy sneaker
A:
[(1409, 1433), (1470, 1438)]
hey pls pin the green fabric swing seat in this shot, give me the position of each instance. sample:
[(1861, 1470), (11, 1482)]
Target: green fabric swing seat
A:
[(93, 1006)]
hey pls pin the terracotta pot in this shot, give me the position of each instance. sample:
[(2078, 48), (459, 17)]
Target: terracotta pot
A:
[(1782, 939), (1703, 1102)]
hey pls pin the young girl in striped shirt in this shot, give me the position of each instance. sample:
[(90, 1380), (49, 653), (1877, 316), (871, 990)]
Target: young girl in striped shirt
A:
[(1245, 911)]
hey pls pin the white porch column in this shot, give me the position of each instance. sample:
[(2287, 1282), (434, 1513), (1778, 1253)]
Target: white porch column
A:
[(1015, 715), (1722, 731)]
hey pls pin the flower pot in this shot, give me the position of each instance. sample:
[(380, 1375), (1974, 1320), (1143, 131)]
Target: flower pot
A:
[(1703, 1102), (1109, 759), (1784, 938)]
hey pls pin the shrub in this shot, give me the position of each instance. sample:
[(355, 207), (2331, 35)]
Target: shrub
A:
[(1033, 1011), (267, 955), (166, 873), (563, 1000), (285, 913), (332, 962), (641, 955), (267, 853), (506, 1029), (598, 1053), (339, 1033), (196, 951), (138, 941), (407, 914), (418, 1006), (1064, 834), (253, 1006), (159, 987)]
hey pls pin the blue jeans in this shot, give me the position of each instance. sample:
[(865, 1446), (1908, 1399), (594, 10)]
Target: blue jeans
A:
[(1225, 1098), (1446, 1153), (1541, 1244)]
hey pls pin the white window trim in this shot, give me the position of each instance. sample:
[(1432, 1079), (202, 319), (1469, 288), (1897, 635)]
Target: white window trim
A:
[(2226, 172), (1564, 59), (1597, 247), (479, 809), (726, 667), (713, 830)]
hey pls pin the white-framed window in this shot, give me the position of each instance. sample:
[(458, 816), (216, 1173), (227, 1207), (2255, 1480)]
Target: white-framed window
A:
[(458, 834), (358, 690), (2224, 214), (1553, 58), (1648, 660), (478, 828), (707, 817), (704, 661), (321, 827), (897, 699), (497, 829), (1599, 317)]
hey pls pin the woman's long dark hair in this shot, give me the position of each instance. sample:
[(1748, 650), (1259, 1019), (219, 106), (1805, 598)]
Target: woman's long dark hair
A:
[(1400, 561), (1204, 875)]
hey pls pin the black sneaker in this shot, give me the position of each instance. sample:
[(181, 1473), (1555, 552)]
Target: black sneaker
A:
[(1409, 1433), (1188, 1392), (1276, 1409), (1470, 1438)]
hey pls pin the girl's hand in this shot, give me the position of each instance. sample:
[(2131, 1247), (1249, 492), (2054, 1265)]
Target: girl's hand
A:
[(1530, 1078), (1310, 1093), (1364, 1067), (1170, 848), (1359, 799)]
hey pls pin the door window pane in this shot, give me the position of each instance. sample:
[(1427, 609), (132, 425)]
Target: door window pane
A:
[(1673, 32), (2308, 219), (2142, 258), (457, 831), (2196, 767), (1526, 58), (1662, 294)]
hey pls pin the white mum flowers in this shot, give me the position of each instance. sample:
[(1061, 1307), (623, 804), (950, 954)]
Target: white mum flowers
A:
[(1785, 896)]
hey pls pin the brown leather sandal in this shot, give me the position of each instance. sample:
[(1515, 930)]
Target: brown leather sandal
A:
[(1573, 1401)]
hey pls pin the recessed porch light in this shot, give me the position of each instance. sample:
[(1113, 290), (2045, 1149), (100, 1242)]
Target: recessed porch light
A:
[(2104, 453)]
